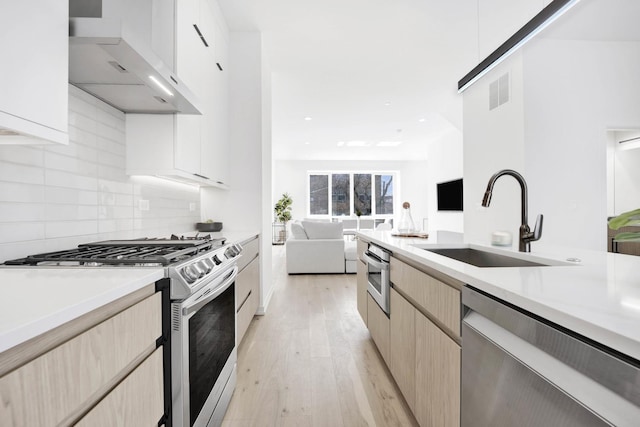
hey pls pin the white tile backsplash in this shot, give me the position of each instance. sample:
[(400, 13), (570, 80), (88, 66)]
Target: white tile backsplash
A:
[(13, 172), (17, 232), (18, 192), (56, 197), (29, 155), (71, 196), (82, 137), (11, 212)]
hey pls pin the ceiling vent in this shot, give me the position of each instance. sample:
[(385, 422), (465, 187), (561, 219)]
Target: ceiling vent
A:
[(499, 92)]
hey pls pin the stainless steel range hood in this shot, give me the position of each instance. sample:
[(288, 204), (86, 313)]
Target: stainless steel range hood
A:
[(111, 55)]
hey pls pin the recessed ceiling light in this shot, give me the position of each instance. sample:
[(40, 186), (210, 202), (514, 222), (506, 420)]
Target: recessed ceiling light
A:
[(340, 143), (308, 118), (421, 120), (307, 143), (357, 144), (387, 103), (388, 143)]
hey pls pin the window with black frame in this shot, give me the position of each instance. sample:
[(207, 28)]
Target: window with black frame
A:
[(344, 194)]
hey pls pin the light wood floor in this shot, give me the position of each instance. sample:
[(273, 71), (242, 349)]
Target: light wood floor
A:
[(310, 360)]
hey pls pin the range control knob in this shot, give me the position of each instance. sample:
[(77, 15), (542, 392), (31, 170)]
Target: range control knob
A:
[(233, 251), (216, 260), (191, 273), (207, 265)]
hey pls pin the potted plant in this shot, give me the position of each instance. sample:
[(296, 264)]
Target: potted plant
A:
[(282, 210), (626, 219)]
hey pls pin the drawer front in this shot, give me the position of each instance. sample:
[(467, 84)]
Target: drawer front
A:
[(50, 388), (245, 315), (136, 401), (362, 294), (378, 324), (250, 250), (437, 299), (247, 280)]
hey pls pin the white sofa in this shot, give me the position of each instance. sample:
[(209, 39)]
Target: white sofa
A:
[(315, 247)]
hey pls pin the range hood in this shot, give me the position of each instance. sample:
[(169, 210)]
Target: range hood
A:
[(111, 56)]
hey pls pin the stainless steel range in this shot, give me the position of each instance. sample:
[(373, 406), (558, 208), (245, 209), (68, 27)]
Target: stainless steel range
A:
[(199, 316)]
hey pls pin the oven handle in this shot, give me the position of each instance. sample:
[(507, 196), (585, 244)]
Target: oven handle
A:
[(211, 294), (375, 263)]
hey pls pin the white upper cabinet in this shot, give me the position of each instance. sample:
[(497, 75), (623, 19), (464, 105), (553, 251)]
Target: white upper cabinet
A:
[(190, 148), (34, 40), (215, 131)]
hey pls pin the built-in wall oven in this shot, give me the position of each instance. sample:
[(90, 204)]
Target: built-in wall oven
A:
[(378, 281)]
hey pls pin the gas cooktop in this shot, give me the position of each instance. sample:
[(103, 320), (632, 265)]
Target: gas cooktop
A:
[(136, 252)]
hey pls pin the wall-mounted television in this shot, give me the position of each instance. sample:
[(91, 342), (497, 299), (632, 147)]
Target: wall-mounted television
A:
[(450, 195)]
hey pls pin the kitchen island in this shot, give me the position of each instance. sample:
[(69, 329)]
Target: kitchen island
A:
[(589, 297), (597, 297)]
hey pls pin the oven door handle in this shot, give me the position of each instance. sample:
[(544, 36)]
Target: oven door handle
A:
[(213, 293), (375, 263)]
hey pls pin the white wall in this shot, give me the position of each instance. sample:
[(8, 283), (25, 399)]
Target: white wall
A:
[(55, 197), (444, 164), (591, 88), (243, 207), (290, 176), (553, 131), (493, 140)]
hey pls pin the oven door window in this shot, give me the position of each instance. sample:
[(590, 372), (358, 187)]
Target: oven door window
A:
[(211, 341), (375, 277)]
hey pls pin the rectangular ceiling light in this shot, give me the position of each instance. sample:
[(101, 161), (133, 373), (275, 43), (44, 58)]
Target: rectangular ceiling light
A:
[(538, 23), (388, 143)]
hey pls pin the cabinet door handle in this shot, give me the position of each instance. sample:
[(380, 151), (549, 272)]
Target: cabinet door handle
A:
[(200, 176), (200, 35)]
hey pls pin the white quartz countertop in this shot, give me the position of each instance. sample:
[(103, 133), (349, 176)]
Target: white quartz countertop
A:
[(36, 300), (598, 297)]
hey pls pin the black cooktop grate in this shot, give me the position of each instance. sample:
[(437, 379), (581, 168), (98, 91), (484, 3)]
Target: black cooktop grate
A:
[(135, 252)]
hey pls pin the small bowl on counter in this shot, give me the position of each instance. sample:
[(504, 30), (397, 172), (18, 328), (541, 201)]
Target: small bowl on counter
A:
[(209, 226)]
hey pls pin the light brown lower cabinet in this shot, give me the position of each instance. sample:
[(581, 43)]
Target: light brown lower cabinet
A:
[(247, 286), (402, 357), (378, 323), (247, 296), (437, 376), (136, 401), (361, 289), (64, 383), (424, 349)]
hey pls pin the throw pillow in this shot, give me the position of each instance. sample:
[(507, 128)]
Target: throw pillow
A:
[(323, 230), (297, 232)]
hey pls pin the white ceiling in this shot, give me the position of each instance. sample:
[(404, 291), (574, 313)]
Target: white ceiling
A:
[(363, 70)]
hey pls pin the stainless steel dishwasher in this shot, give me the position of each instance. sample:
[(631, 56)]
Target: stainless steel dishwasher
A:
[(521, 370)]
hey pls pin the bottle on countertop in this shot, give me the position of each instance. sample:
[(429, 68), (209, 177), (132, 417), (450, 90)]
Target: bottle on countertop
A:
[(406, 224)]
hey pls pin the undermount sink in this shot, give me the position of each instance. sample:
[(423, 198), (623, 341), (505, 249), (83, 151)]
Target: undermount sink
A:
[(481, 258)]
